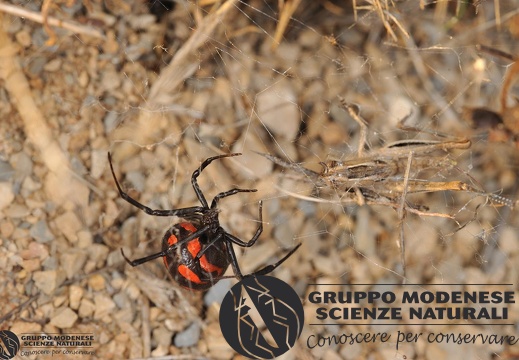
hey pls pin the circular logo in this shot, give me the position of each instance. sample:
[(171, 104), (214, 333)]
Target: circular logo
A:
[(9, 344), (261, 317)]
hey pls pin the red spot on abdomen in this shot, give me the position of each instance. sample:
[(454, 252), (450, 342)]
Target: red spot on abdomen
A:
[(207, 266), (188, 274), (188, 226), (194, 247), (172, 240)]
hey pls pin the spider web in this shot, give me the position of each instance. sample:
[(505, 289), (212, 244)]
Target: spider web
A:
[(231, 92)]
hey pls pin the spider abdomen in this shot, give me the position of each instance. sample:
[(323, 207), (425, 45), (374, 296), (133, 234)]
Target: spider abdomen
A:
[(190, 271)]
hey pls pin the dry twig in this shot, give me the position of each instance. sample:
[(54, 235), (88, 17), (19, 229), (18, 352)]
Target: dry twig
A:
[(39, 18), (61, 184)]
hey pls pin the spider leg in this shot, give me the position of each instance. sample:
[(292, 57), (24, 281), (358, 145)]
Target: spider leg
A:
[(251, 242), (266, 270), (197, 172), (147, 210), (217, 198), (269, 268), (234, 262), (145, 259)]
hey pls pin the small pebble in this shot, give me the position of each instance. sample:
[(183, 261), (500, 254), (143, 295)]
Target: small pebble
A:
[(6, 194), (83, 79), (122, 300), (172, 325), (188, 337), (48, 280), (57, 301), (508, 179), (110, 121), (53, 65), (117, 282), (36, 66), (72, 262), (285, 231), (86, 308), (162, 335), (216, 343), (278, 110), (30, 186), (99, 163), (16, 211), (69, 225), (23, 38), (64, 318), (289, 52), (6, 171), (160, 351), (22, 163), (84, 239), (75, 294), (252, 165), (97, 282), (402, 108), (509, 240), (22, 326), (137, 179), (41, 232), (103, 306), (98, 253), (126, 314), (31, 265), (216, 293), (6, 228), (110, 81)]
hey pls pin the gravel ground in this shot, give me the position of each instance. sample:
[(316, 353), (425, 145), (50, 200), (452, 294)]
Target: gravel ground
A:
[(163, 93)]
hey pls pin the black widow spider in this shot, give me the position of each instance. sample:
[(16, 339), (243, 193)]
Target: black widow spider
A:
[(198, 251)]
